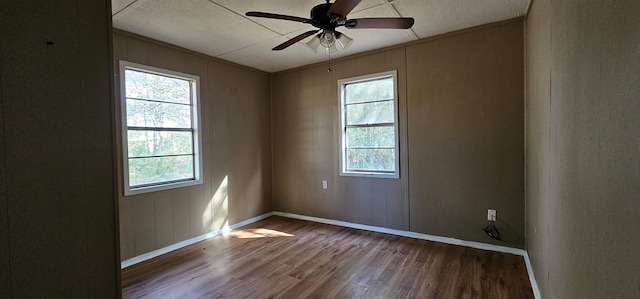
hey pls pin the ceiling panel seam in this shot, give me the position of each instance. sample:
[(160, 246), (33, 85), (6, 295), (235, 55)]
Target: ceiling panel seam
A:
[(128, 5), (243, 16), (355, 10), (240, 49), (390, 4)]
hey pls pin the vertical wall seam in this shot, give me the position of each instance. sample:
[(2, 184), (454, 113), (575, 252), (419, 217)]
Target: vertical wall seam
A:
[(406, 136), (273, 197), (155, 220), (525, 123), (549, 136), (4, 174)]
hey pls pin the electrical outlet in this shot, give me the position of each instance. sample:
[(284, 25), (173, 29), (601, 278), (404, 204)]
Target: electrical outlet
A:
[(324, 184), (491, 215)]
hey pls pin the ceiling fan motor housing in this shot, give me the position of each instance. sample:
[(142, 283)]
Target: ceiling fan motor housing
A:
[(321, 19)]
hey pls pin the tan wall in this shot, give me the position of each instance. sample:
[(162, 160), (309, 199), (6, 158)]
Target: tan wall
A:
[(236, 127), (583, 174), (466, 107), (305, 147), (461, 138), (538, 141), (57, 201)]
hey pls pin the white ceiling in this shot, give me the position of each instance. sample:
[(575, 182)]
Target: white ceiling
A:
[(220, 29)]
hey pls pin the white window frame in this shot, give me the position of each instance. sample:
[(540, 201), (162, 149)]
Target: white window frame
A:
[(197, 133), (343, 127)]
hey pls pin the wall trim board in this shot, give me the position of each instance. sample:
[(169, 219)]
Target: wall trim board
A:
[(158, 252), (452, 241), (407, 44), (410, 234), (532, 278), (175, 47)]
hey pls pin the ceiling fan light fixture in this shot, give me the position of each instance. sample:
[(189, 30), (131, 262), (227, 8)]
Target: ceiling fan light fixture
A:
[(327, 39), (332, 50), (314, 43), (344, 41)]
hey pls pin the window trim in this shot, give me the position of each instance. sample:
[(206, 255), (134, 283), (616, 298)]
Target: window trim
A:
[(341, 109), (196, 126)]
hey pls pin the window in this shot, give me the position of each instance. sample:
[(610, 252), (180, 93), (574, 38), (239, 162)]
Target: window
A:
[(369, 126), (160, 129)]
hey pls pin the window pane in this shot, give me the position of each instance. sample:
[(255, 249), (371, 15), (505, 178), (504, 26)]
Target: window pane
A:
[(370, 113), (381, 89), (157, 115), (159, 143), (371, 137), (156, 87), (371, 159), (154, 170)]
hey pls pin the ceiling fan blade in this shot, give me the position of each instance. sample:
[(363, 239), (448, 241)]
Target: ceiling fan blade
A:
[(295, 40), (342, 7), (388, 23), (276, 16)]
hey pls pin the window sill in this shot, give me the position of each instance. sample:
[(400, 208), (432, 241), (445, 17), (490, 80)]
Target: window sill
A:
[(371, 175), (142, 190)]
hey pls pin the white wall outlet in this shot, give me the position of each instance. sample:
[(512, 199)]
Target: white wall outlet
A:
[(324, 184), (491, 215)]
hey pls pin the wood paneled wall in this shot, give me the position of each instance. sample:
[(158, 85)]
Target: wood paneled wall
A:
[(461, 138), (583, 145), (466, 142), (236, 132), (305, 147), (57, 202)]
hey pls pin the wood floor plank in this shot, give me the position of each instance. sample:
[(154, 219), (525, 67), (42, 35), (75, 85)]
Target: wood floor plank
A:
[(287, 258)]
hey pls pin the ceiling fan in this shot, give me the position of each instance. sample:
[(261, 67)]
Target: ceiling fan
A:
[(327, 17)]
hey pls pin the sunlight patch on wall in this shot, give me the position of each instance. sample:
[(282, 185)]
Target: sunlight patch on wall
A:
[(215, 214)]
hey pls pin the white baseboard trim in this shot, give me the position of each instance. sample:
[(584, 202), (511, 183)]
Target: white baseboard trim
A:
[(149, 255), (453, 241), (409, 234), (532, 277)]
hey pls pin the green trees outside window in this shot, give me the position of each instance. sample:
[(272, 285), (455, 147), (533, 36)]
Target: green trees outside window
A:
[(369, 125), (159, 128)]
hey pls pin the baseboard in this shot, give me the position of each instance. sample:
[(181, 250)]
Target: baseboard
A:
[(149, 255), (532, 278), (453, 241), (409, 234)]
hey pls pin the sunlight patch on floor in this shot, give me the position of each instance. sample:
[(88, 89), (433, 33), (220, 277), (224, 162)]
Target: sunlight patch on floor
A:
[(254, 233)]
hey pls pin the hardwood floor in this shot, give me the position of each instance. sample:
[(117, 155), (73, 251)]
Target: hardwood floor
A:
[(287, 258)]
